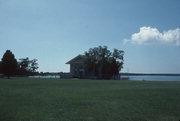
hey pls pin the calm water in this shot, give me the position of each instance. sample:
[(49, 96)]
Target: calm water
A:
[(154, 78), (47, 76), (140, 78)]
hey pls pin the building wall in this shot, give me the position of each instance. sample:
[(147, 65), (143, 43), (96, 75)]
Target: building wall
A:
[(77, 69)]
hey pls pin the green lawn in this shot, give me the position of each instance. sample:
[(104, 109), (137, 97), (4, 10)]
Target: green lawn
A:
[(23, 99)]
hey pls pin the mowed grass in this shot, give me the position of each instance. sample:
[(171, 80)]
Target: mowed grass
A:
[(25, 99)]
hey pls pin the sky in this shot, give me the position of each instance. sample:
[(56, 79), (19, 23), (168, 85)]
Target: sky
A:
[(55, 31)]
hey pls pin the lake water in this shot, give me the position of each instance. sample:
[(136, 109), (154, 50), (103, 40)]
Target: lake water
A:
[(153, 78), (139, 78), (47, 76)]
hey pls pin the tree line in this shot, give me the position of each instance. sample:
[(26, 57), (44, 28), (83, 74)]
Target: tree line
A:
[(99, 61), (9, 65)]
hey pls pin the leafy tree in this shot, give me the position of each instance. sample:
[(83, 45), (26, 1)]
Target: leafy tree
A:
[(102, 63), (23, 66), (0, 67), (9, 63), (26, 66), (33, 65)]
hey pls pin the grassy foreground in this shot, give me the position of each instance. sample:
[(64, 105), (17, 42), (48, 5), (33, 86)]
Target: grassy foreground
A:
[(24, 99)]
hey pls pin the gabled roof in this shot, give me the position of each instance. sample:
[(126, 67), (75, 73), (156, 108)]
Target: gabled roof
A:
[(77, 59)]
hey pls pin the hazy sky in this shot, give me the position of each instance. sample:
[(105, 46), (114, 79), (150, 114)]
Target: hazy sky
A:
[(55, 31)]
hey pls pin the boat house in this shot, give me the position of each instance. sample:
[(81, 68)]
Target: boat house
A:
[(77, 66)]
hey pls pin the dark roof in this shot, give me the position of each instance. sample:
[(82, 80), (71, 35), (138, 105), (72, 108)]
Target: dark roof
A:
[(76, 59)]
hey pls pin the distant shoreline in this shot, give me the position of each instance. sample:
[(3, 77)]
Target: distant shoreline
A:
[(149, 74)]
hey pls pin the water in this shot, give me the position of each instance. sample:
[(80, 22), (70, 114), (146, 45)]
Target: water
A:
[(153, 78), (139, 77), (47, 76)]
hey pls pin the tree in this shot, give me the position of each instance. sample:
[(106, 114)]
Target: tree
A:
[(26, 66), (0, 67), (9, 63), (23, 66), (117, 60), (102, 63), (33, 65)]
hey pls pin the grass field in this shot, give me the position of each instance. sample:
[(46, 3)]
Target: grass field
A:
[(24, 99)]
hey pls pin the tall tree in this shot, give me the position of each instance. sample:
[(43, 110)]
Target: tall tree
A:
[(0, 67), (103, 63), (9, 63)]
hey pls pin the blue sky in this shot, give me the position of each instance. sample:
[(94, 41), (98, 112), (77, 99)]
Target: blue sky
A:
[(55, 31)]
